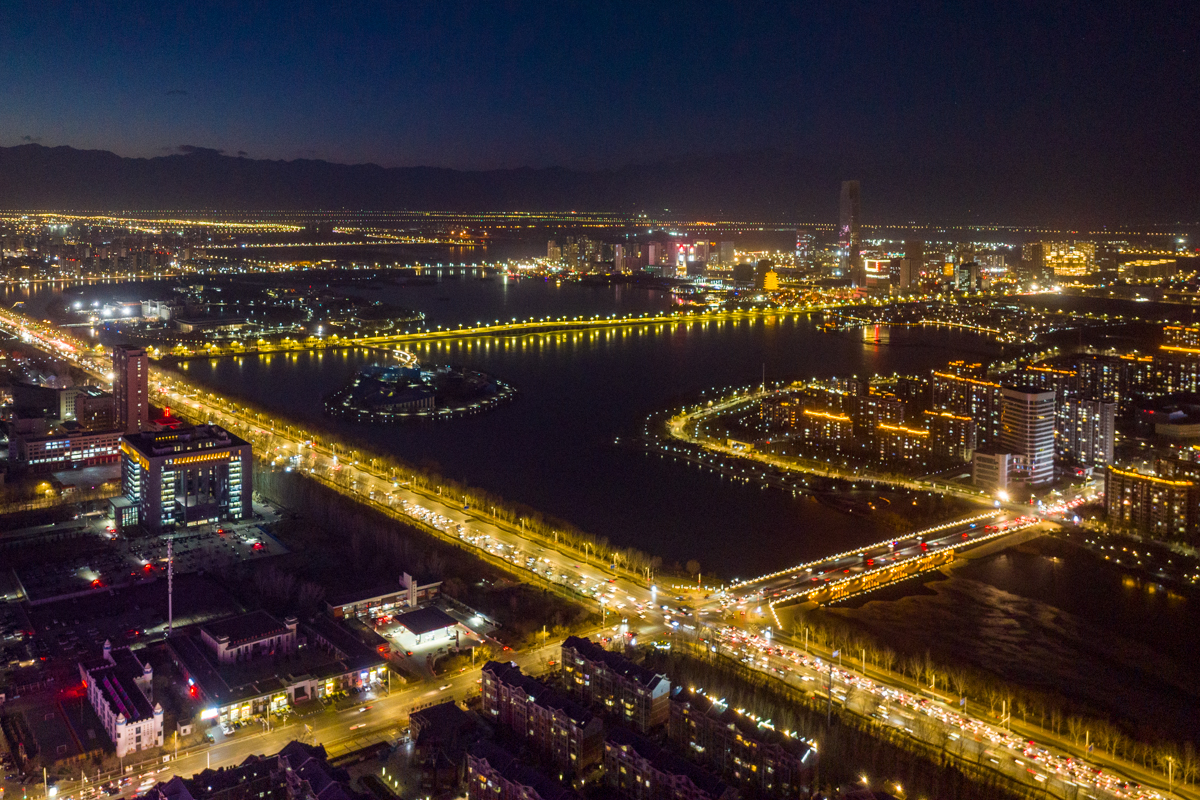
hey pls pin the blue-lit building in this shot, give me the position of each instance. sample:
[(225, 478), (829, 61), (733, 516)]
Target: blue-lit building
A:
[(187, 476)]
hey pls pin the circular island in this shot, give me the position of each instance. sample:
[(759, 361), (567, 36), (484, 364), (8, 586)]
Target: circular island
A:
[(408, 391)]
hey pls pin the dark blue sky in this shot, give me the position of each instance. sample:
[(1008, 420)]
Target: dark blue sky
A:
[(1093, 85)]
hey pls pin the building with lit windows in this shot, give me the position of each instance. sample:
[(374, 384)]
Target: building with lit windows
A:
[(951, 437), (1027, 430), (617, 686), (1087, 431), (493, 773), (63, 451), (120, 689), (898, 443), (1155, 507), (547, 720), (991, 469), (252, 664), (187, 476), (1069, 259), (1181, 336), (781, 411), (641, 770), (849, 234), (972, 397), (826, 430), (740, 748), (131, 388)]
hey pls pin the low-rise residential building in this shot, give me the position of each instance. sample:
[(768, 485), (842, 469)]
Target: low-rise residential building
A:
[(297, 772), (641, 770), (119, 687), (549, 721), (441, 736), (493, 773), (602, 679), (740, 748)]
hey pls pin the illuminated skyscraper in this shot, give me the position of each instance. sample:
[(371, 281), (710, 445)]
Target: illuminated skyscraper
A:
[(131, 393), (1027, 430), (849, 236)]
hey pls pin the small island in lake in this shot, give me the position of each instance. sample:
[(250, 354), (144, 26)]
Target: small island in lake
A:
[(409, 391)]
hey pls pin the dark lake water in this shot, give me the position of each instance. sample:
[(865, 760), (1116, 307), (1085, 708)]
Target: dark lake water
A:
[(553, 448), (1053, 617)]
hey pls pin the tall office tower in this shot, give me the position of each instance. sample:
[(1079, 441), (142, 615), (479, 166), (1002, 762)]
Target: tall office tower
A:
[(1085, 430), (914, 251), (849, 237), (726, 253), (806, 245), (553, 251), (1027, 430), (131, 392), (654, 253)]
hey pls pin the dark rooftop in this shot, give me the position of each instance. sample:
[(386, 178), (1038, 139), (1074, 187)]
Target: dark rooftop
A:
[(542, 694), (614, 661), (748, 727), (248, 627), (505, 763), (183, 440), (666, 761), (425, 620)]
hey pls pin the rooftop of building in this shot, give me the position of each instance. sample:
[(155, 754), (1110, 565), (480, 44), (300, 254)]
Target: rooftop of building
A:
[(667, 762), (1028, 389), (153, 444), (425, 620), (249, 627), (748, 727), (297, 763), (223, 684), (117, 681), (515, 771), (540, 693), (615, 661)]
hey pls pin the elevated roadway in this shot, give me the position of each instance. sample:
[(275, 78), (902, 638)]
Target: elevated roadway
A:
[(497, 328)]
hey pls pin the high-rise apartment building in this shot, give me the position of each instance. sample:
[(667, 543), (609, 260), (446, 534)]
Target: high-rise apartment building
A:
[(971, 397), (914, 251), (951, 436), (1153, 506), (131, 388), (1086, 430), (849, 235), (1027, 430)]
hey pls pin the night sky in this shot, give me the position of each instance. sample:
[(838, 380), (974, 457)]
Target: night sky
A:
[(1043, 88)]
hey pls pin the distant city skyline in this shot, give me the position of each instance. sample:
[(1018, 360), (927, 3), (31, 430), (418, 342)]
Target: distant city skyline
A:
[(985, 106)]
